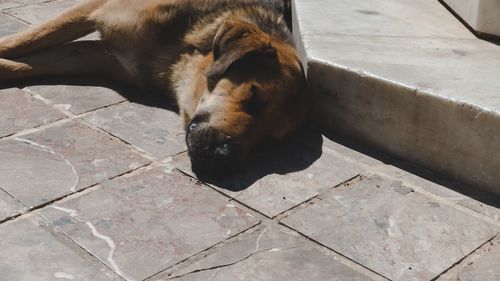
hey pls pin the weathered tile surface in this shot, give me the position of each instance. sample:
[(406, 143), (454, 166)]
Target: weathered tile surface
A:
[(280, 177), (9, 206), (5, 4), (9, 25), (43, 166), (158, 131), (32, 251), (19, 111), (485, 205), (370, 18), (77, 99), (396, 232), (269, 254), (485, 269), (143, 224), (41, 11), (349, 154)]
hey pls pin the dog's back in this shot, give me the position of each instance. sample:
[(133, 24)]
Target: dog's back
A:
[(148, 37)]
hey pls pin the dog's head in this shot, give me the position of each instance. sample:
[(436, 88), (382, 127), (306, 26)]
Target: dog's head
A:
[(256, 90)]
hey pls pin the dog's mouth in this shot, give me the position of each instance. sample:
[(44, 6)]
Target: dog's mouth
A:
[(211, 152)]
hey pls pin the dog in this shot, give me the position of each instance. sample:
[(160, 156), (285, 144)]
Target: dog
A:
[(231, 65)]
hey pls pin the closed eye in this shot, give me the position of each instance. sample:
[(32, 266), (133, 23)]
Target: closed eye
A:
[(254, 105)]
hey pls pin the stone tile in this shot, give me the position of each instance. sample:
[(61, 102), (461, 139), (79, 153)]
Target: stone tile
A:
[(484, 204), (142, 224), (46, 165), (269, 254), (394, 18), (158, 131), (279, 177), (37, 13), (5, 4), (20, 111), (31, 250), (391, 229), (9, 206), (77, 99), (349, 154), (485, 268), (9, 25)]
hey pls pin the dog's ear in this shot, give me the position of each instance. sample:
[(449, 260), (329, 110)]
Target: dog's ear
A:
[(234, 40)]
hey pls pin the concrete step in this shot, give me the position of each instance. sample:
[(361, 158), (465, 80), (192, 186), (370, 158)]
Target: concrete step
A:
[(408, 78)]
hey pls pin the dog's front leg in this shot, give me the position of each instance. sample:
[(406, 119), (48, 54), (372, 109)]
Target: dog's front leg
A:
[(70, 25), (80, 58)]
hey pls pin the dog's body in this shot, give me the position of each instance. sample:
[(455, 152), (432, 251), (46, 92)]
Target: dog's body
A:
[(230, 64)]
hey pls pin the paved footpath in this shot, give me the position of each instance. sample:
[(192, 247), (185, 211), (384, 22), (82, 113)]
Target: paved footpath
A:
[(96, 186)]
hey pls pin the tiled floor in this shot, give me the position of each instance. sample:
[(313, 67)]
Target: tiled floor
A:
[(94, 186)]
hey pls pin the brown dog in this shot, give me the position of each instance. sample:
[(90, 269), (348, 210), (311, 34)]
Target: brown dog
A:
[(230, 64)]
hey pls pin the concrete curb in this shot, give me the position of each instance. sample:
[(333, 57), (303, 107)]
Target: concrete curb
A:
[(457, 138)]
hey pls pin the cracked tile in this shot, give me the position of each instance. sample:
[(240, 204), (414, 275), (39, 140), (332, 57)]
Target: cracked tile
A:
[(280, 177), (20, 111), (142, 224), (158, 131), (9, 206), (269, 254), (77, 99), (32, 250), (392, 230), (57, 161)]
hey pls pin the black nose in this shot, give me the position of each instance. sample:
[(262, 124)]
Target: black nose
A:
[(210, 151), (198, 120), (192, 126), (224, 153)]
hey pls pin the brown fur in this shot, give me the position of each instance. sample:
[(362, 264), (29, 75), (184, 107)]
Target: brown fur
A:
[(230, 60)]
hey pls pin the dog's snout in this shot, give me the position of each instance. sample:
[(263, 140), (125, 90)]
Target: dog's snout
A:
[(224, 153), (192, 126), (197, 121), (210, 151)]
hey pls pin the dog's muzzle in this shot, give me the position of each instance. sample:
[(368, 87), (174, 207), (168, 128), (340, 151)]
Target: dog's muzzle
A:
[(211, 152)]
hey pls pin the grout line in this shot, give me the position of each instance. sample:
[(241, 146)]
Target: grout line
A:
[(136, 149), (70, 116), (470, 258), (36, 129), (224, 194), (10, 218), (57, 231), (13, 197), (28, 4), (76, 194), (382, 277), (6, 12), (201, 255), (80, 118), (440, 199), (317, 198)]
